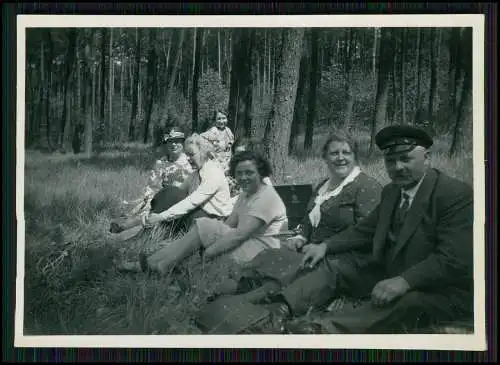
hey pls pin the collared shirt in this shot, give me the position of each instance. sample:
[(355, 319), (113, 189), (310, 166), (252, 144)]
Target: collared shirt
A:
[(411, 193)]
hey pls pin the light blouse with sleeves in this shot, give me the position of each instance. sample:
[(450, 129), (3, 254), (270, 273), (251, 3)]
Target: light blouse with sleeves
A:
[(265, 205), (208, 189), (222, 140)]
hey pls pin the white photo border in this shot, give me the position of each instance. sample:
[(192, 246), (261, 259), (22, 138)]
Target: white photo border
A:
[(465, 342)]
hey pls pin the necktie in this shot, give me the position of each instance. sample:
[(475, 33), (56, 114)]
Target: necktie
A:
[(402, 210)]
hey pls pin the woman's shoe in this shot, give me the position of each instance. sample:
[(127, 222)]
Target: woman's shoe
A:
[(115, 227), (143, 262), (305, 327), (128, 266)]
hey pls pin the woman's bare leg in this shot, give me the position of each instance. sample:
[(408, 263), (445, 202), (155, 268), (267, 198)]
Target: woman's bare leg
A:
[(164, 259)]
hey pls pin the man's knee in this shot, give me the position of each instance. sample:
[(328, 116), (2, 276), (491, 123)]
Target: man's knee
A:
[(411, 299)]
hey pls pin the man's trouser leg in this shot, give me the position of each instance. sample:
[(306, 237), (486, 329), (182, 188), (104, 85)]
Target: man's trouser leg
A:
[(414, 309), (332, 277)]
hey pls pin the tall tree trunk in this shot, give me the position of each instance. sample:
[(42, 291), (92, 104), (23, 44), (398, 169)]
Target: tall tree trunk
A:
[(219, 54), (48, 60), (375, 48), (90, 94), (385, 65), (349, 105), (111, 84), (45, 71), (453, 69), (299, 108), (135, 86), (122, 86), (433, 85), (251, 71), (166, 52), (266, 66), (315, 73), (101, 136), (65, 117), (458, 70), (465, 103), (394, 77), (419, 76), (175, 66), (402, 57), (241, 84), (196, 77), (280, 119), (151, 82)]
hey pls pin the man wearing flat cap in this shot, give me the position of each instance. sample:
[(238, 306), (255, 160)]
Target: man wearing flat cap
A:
[(411, 258)]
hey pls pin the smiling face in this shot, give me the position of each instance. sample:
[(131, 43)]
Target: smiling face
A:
[(339, 158), (407, 168), (247, 176), (174, 148), (220, 120)]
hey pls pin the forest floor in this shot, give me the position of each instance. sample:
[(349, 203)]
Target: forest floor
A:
[(71, 286)]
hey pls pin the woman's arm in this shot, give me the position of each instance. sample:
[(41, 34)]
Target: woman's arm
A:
[(367, 199), (236, 237), (211, 180)]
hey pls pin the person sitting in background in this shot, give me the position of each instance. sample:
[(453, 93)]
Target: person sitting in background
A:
[(222, 138), (169, 171), (258, 215)]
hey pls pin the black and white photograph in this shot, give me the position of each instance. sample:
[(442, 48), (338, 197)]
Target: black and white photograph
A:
[(251, 181)]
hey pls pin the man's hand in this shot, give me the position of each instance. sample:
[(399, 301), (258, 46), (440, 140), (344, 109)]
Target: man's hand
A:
[(388, 290), (313, 254), (294, 243)]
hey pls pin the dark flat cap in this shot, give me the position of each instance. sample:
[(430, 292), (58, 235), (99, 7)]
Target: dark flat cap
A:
[(402, 138)]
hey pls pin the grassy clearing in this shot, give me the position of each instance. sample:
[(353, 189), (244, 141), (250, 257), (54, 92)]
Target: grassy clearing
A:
[(71, 286)]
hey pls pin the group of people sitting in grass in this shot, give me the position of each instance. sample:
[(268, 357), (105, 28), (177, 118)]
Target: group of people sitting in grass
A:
[(404, 248)]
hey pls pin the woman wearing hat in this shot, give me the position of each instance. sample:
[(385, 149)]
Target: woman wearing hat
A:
[(169, 171)]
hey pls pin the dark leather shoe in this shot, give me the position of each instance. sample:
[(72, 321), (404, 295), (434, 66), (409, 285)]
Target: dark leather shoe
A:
[(304, 328), (115, 228)]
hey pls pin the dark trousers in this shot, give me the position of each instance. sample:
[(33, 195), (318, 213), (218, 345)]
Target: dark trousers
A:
[(169, 196), (356, 275)]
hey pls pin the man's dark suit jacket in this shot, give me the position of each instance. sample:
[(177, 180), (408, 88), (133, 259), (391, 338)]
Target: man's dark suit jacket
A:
[(435, 246)]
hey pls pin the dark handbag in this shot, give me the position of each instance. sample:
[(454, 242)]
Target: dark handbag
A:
[(230, 315), (281, 265)]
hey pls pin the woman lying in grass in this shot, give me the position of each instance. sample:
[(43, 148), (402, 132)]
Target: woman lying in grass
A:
[(258, 216)]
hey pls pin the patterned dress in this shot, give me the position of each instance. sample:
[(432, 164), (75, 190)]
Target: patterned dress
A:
[(222, 140), (163, 173)]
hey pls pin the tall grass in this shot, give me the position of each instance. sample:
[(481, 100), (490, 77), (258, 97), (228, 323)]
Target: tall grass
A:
[(71, 286)]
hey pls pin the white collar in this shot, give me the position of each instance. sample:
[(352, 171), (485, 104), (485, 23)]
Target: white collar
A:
[(412, 191)]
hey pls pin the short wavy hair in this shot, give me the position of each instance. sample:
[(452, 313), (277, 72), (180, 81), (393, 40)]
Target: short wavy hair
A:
[(263, 166), (340, 136), (202, 144)]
